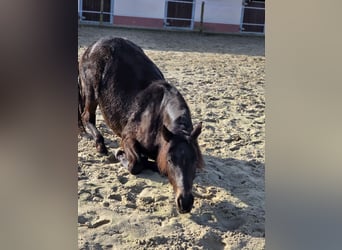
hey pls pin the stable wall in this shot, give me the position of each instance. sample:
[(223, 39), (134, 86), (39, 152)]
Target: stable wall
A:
[(219, 15), (142, 13)]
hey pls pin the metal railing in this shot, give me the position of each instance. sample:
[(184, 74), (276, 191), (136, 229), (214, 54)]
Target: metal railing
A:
[(242, 28), (167, 18), (101, 14)]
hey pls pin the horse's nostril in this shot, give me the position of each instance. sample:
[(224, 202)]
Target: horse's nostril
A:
[(184, 203)]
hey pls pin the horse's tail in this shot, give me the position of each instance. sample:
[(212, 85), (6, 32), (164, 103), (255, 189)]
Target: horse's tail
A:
[(80, 104)]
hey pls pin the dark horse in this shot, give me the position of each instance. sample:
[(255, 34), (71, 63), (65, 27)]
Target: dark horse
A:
[(149, 114)]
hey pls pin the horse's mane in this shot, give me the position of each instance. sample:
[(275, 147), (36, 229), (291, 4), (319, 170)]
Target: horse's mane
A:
[(161, 158)]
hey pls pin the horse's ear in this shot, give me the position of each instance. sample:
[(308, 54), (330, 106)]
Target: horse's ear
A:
[(167, 134), (196, 131)]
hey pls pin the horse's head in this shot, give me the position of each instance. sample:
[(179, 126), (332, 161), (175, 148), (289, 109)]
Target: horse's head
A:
[(179, 161)]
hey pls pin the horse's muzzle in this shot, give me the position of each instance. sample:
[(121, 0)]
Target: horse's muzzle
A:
[(184, 203)]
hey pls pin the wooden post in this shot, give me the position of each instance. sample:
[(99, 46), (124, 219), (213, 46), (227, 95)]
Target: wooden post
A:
[(101, 14), (202, 13)]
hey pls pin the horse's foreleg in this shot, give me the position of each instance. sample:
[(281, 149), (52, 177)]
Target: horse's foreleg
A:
[(89, 118), (130, 157)]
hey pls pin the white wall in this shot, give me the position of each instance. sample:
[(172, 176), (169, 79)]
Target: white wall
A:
[(140, 8), (219, 11)]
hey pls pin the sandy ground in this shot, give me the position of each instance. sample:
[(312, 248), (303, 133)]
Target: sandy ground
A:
[(223, 80)]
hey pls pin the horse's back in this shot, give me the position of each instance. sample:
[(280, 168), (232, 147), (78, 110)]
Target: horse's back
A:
[(119, 71), (121, 62)]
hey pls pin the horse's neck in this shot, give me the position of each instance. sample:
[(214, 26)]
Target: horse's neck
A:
[(176, 114), (180, 125)]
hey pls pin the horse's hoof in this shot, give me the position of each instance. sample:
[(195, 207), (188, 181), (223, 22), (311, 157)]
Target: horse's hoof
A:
[(102, 149), (112, 159), (120, 155), (136, 169)]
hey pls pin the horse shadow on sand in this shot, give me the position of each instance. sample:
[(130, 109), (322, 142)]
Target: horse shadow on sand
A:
[(179, 41), (243, 181)]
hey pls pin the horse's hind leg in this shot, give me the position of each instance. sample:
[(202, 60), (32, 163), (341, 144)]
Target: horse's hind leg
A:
[(89, 119), (81, 128)]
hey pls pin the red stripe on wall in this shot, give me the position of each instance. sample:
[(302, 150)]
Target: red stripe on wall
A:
[(138, 21), (156, 23), (218, 27)]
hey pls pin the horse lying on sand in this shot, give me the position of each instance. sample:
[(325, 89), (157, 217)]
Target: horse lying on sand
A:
[(148, 113)]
